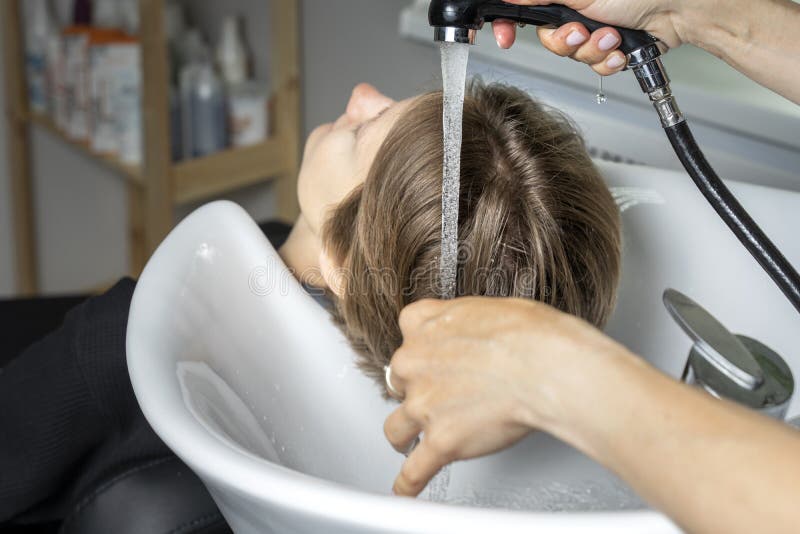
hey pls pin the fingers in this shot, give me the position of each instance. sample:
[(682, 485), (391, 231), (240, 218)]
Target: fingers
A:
[(599, 47), (614, 63), (565, 40), (420, 467), (505, 33), (599, 50), (401, 430)]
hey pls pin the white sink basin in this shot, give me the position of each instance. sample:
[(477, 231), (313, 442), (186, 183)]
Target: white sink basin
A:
[(244, 376)]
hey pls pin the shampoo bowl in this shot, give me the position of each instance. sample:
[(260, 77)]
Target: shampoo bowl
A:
[(245, 377)]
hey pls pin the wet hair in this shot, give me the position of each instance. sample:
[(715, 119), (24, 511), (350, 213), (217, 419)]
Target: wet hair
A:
[(536, 219)]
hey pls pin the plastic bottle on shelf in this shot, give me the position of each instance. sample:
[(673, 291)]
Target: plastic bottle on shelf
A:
[(105, 33), (40, 28), (232, 59), (124, 58), (102, 119), (76, 72), (204, 121), (209, 121), (248, 113), (247, 101), (55, 72), (191, 51)]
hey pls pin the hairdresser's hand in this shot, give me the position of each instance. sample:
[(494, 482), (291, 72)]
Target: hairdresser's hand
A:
[(478, 374), (599, 49)]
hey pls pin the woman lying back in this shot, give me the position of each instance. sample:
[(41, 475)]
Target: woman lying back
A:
[(536, 219)]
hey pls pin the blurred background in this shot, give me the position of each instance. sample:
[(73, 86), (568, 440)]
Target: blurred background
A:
[(122, 116), (79, 199)]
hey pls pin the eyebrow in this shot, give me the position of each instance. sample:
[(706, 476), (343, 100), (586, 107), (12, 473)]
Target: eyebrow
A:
[(363, 125)]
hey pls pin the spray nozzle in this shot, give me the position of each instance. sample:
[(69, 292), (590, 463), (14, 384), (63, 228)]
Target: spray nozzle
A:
[(458, 20)]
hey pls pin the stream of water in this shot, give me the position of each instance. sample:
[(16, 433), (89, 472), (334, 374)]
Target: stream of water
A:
[(454, 78)]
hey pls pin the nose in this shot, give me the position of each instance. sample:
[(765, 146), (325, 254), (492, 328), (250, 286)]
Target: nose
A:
[(366, 102)]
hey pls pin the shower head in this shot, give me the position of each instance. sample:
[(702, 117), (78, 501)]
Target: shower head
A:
[(457, 21)]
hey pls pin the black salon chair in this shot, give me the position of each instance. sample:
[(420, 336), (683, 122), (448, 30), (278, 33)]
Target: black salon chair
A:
[(159, 496)]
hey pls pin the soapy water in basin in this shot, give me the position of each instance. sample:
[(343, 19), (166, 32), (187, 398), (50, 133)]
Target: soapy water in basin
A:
[(552, 496), (223, 413)]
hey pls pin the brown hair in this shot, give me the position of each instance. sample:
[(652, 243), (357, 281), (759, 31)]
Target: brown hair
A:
[(536, 219)]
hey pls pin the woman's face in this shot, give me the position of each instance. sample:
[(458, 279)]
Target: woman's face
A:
[(338, 156)]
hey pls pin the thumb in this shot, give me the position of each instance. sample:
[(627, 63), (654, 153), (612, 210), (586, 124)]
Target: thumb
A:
[(417, 313)]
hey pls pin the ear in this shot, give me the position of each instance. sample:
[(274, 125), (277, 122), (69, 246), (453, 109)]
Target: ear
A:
[(331, 273)]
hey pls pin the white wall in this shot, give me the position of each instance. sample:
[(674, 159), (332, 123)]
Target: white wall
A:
[(81, 206), (7, 282), (351, 41)]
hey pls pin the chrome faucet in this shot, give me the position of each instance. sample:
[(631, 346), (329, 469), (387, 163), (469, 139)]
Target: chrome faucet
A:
[(731, 366)]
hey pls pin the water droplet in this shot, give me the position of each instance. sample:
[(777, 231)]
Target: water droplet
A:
[(600, 97)]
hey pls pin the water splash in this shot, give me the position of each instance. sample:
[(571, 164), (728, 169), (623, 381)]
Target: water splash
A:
[(437, 490), (552, 496), (454, 77)]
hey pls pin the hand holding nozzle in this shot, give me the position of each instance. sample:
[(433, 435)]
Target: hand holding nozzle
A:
[(759, 39), (599, 48)]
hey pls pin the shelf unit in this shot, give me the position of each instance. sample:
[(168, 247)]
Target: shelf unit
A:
[(159, 184)]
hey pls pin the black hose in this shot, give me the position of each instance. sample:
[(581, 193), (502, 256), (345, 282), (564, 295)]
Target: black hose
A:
[(734, 215)]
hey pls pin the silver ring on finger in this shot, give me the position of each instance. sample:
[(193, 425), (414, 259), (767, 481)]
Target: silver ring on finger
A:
[(389, 387)]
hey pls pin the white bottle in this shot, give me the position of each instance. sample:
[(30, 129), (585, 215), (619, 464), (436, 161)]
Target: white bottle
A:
[(126, 95), (55, 66), (232, 57), (37, 36), (248, 114)]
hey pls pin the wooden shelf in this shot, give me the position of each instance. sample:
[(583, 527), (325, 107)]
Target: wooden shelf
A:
[(131, 172), (194, 179), (158, 184), (231, 169)]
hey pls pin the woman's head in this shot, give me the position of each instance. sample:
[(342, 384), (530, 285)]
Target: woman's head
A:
[(536, 220)]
